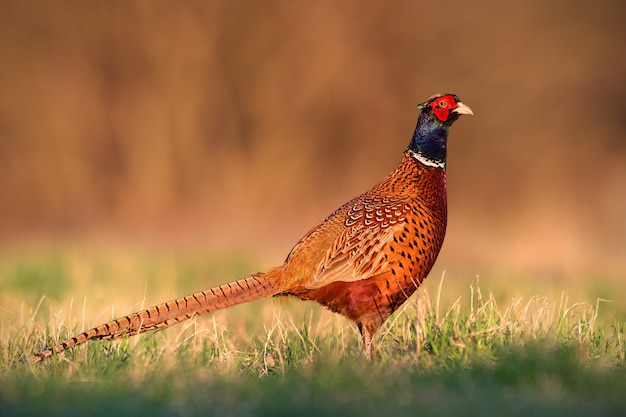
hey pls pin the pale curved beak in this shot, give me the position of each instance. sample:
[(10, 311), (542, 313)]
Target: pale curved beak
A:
[(462, 109)]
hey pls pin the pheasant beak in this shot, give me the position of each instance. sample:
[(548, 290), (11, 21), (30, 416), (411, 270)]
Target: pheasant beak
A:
[(462, 109)]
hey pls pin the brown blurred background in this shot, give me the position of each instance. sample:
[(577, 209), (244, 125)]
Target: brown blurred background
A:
[(237, 125)]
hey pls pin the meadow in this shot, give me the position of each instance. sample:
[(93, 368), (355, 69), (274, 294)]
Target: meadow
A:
[(454, 349), (195, 142)]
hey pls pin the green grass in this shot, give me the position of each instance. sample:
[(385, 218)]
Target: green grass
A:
[(453, 350)]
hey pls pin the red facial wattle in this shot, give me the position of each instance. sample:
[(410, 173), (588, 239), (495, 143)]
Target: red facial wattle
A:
[(442, 106)]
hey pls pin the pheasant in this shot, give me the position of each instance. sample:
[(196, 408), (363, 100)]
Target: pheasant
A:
[(363, 261)]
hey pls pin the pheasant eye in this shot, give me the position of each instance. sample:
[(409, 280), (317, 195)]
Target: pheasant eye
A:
[(442, 103)]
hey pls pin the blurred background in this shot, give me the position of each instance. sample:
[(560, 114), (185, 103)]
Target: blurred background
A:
[(235, 126)]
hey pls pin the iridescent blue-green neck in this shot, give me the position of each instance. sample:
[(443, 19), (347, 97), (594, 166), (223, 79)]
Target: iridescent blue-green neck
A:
[(428, 144)]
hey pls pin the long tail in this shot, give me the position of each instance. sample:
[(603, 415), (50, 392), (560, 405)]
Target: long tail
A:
[(254, 287)]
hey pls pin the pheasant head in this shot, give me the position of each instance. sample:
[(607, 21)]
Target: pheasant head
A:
[(428, 144)]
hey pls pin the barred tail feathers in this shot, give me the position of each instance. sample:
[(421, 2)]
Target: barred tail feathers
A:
[(252, 288)]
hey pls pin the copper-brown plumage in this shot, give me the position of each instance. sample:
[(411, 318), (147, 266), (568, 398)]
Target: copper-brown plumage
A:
[(363, 261)]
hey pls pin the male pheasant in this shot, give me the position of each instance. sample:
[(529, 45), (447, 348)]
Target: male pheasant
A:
[(363, 261)]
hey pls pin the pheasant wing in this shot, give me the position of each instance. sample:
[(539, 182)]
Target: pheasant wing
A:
[(357, 253)]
